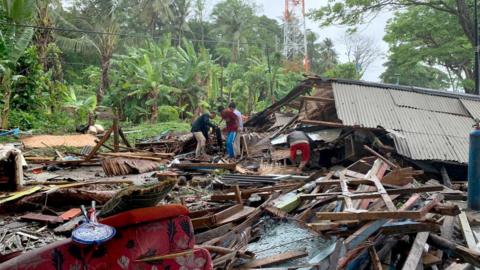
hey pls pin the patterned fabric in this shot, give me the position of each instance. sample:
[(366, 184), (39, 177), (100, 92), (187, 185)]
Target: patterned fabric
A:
[(160, 237)]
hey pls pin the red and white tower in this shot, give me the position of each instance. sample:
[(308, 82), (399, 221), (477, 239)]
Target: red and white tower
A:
[(294, 31)]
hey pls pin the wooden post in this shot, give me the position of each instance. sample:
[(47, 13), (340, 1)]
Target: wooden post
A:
[(116, 134)]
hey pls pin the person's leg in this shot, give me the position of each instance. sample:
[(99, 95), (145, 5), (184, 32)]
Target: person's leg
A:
[(293, 153), (236, 145), (230, 139), (200, 150), (305, 148)]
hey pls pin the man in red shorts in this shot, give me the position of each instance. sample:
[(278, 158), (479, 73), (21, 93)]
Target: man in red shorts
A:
[(299, 141)]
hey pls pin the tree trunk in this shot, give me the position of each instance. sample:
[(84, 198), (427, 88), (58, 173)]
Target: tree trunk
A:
[(6, 106), (104, 82), (153, 96), (465, 20)]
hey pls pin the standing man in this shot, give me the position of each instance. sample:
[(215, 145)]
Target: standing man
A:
[(299, 141), (231, 128), (236, 143), (200, 129)]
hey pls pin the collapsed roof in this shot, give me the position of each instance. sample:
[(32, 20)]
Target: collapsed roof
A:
[(424, 124)]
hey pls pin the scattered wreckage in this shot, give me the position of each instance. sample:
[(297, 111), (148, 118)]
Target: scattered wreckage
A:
[(383, 190)]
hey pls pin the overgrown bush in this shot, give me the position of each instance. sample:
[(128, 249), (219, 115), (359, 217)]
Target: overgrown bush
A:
[(41, 122), (167, 114)]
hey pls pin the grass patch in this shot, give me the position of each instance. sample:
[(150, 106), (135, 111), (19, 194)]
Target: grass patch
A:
[(146, 130)]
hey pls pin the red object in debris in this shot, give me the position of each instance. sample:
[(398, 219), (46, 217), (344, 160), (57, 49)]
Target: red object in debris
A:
[(74, 212), (141, 234), (304, 147), (37, 170)]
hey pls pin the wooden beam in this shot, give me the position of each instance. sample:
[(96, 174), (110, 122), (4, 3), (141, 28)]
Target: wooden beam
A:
[(322, 123), (279, 258), (416, 252), (408, 227), (228, 166), (380, 156), (368, 229), (468, 255), (362, 194), (99, 144), (321, 99), (376, 263), (467, 232), (372, 215)]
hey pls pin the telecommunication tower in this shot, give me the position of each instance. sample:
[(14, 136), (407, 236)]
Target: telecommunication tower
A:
[(294, 31)]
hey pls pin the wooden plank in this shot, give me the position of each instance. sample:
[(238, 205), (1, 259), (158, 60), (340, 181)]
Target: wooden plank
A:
[(371, 215), (74, 212), (345, 193), (384, 159), (42, 218), (409, 227), (368, 229), (116, 135), (228, 166), (416, 251), (467, 231), (386, 198), (213, 233), (279, 258), (124, 138), (468, 255), (321, 99), (376, 263), (322, 123), (19, 194), (99, 144), (446, 231), (429, 259), (362, 194)]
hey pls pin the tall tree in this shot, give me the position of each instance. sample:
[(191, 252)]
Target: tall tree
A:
[(14, 40), (428, 37), (101, 35), (361, 51), (354, 12), (232, 20), (322, 55)]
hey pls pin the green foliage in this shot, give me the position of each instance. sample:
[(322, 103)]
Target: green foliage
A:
[(147, 130), (167, 114), (41, 122), (344, 71), (421, 39)]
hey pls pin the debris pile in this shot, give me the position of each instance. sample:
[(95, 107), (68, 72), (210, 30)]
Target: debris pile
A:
[(372, 196)]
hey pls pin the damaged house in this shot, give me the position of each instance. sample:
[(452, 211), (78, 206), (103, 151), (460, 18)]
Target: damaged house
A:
[(428, 128)]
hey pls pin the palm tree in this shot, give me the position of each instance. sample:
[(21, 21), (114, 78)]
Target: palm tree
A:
[(231, 22), (166, 16), (13, 42), (101, 37)]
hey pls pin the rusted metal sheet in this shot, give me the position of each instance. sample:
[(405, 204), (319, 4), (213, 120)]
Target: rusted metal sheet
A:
[(120, 166)]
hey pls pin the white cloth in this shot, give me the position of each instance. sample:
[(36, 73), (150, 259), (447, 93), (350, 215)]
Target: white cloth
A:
[(240, 120)]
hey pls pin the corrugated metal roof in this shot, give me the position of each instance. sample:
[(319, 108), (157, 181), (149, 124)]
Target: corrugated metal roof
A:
[(425, 125)]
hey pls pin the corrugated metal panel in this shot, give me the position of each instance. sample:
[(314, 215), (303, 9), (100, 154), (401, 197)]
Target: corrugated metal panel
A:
[(428, 102), (364, 106), (473, 107), (423, 126)]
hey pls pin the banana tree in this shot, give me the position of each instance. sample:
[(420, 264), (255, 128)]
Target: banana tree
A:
[(155, 71), (13, 42), (194, 76)]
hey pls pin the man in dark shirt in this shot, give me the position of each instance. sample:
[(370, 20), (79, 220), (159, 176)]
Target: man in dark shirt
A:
[(231, 128), (299, 141), (200, 129)]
